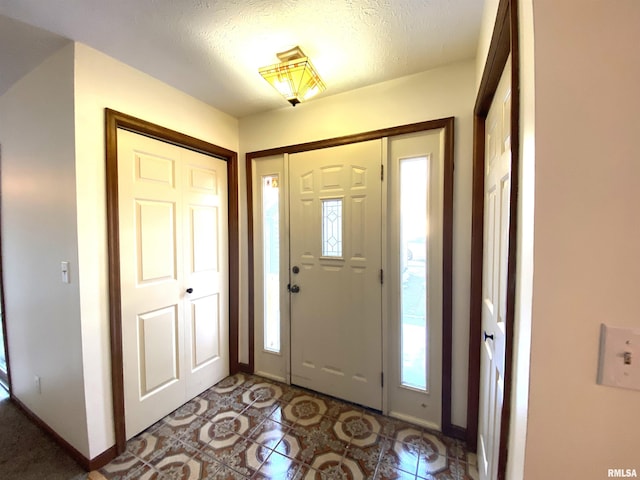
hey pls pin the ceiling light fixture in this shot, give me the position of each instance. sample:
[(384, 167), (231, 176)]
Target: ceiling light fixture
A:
[(295, 78)]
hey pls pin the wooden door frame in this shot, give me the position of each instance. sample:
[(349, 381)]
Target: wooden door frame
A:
[(113, 121), (3, 313), (504, 41), (447, 124)]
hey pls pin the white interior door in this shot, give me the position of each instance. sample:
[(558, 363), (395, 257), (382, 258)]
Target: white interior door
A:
[(205, 239), (174, 280), (335, 246), (496, 247)]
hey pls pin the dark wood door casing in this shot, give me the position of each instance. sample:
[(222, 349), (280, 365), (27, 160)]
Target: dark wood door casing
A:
[(113, 121), (447, 236), (504, 42)]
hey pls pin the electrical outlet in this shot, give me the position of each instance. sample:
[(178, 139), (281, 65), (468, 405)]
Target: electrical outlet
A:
[(619, 357), (37, 382)]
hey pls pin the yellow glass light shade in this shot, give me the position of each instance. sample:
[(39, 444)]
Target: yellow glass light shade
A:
[(295, 78)]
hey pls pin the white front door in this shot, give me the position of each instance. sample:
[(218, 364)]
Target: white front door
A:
[(336, 250), (174, 278), (497, 190)]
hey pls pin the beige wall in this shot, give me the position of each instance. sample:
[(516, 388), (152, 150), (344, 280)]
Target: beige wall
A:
[(438, 93), (484, 39), (525, 259), (38, 232), (579, 126), (54, 209), (586, 258), (101, 81), (526, 203)]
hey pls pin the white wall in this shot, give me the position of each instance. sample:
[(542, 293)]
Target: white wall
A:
[(579, 126), (524, 262), (586, 257), (489, 13), (54, 209), (38, 232), (100, 82), (438, 93)]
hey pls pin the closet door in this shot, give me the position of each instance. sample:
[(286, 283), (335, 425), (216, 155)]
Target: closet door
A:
[(174, 291)]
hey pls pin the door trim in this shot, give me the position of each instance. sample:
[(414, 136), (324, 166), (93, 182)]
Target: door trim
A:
[(447, 124), (113, 121), (3, 311), (504, 41)]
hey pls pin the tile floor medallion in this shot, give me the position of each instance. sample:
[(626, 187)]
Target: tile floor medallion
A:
[(247, 427)]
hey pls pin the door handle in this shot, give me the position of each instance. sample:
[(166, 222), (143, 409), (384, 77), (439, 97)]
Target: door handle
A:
[(487, 336), (294, 288), (189, 290)]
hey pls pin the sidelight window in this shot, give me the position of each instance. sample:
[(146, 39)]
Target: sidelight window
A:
[(271, 255), (413, 266)]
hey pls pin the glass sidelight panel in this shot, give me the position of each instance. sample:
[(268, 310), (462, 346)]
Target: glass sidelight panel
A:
[(271, 255), (413, 265)]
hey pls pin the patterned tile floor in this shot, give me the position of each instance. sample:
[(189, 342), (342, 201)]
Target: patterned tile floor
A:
[(249, 427)]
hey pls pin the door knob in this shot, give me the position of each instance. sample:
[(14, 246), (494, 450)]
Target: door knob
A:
[(294, 288), (487, 336), (189, 290)]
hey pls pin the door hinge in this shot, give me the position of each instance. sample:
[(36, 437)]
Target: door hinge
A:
[(381, 276), (381, 172), (382, 379)]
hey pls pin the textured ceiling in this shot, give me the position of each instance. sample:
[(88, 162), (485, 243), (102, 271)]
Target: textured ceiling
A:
[(212, 49), (22, 48)]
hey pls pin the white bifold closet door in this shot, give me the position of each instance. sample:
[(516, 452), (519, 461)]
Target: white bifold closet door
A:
[(174, 275)]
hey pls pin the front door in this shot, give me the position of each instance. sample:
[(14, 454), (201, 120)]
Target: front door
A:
[(335, 258), (174, 279), (497, 190)]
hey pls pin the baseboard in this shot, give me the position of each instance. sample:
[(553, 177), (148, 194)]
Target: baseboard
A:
[(270, 376), (93, 464), (454, 431), (414, 420), (245, 368), (104, 458)]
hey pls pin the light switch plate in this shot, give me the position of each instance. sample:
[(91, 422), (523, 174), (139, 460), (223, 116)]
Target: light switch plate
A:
[(64, 270), (619, 357)]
